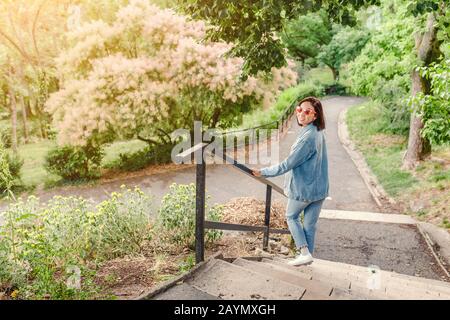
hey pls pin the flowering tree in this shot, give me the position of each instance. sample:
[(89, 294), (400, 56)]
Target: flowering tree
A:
[(149, 72)]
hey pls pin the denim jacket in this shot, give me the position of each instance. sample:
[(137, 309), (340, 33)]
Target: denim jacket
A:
[(306, 167)]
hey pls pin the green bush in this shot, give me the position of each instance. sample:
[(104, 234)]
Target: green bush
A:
[(41, 246), (176, 218), (382, 71), (336, 89), (302, 90), (434, 107), (10, 166), (138, 160), (5, 136), (74, 163)]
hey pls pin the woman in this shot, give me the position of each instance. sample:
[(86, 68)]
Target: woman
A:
[(306, 181)]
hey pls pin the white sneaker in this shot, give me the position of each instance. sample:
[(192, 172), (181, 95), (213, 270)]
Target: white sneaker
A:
[(301, 259)]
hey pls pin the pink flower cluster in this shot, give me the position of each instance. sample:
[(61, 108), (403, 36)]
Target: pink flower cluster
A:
[(126, 75)]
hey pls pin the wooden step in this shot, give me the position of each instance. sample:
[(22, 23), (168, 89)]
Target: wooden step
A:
[(185, 292), (338, 283), (390, 281), (315, 274), (321, 290), (228, 281), (392, 285)]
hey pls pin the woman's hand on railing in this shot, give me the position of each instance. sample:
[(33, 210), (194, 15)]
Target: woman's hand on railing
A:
[(256, 172)]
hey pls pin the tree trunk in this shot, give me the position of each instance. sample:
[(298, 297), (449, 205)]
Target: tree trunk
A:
[(418, 147), (24, 119), (13, 106), (335, 73)]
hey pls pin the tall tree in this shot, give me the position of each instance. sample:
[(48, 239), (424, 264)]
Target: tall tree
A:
[(252, 26), (304, 36), (345, 45), (428, 51)]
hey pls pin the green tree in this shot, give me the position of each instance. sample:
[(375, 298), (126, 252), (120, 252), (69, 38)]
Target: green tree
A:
[(432, 15), (305, 35), (382, 70), (434, 107), (345, 46), (253, 25)]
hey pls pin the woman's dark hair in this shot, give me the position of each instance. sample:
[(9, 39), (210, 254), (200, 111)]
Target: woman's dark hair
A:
[(320, 120)]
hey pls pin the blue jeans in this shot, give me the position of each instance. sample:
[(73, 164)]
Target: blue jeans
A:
[(303, 235)]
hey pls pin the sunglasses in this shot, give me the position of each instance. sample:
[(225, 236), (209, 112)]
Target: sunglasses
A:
[(305, 111)]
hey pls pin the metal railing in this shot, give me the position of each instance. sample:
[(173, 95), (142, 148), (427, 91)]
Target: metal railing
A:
[(200, 223), (280, 124)]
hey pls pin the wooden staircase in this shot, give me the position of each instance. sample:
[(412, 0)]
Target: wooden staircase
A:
[(273, 278)]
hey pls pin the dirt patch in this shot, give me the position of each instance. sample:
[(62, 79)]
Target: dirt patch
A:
[(129, 277), (429, 200), (250, 211), (126, 276), (429, 205), (386, 140)]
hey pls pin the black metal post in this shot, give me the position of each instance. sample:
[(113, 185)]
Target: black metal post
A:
[(267, 217), (200, 211)]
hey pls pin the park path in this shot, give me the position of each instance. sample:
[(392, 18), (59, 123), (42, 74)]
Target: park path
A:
[(347, 189), (393, 247)]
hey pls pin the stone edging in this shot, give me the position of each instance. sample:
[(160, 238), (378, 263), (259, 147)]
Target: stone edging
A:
[(164, 286), (438, 241), (433, 237), (378, 193)]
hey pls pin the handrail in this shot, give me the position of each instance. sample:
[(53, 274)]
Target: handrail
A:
[(201, 224), (287, 111), (241, 167)]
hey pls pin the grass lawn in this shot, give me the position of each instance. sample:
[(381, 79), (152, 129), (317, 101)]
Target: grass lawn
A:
[(423, 192), (321, 75)]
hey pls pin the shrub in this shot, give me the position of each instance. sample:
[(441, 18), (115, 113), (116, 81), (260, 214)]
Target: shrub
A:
[(434, 107), (302, 90), (10, 166), (5, 136), (336, 89), (74, 163), (42, 246), (138, 160), (176, 218), (382, 71)]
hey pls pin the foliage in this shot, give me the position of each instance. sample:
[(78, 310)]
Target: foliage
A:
[(345, 45), (305, 35), (176, 218), (140, 159), (187, 264), (383, 150), (151, 66), (74, 163), (41, 246), (434, 108), (5, 136), (10, 170), (383, 69), (253, 25), (336, 89), (288, 96)]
